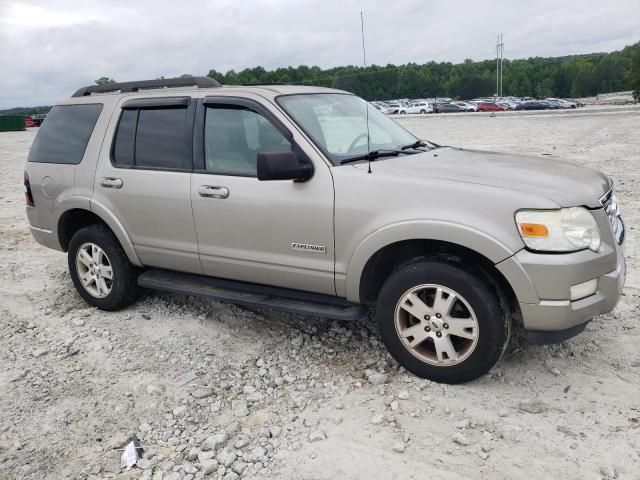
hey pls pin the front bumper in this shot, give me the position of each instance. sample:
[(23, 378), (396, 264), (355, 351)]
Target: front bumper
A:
[(556, 315), (542, 283)]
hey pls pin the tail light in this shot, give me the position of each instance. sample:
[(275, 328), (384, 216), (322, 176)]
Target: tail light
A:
[(28, 197)]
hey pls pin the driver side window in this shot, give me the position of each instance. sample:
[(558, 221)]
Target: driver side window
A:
[(233, 137)]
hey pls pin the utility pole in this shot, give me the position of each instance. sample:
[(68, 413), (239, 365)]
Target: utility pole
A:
[(364, 52), (497, 68), (499, 57)]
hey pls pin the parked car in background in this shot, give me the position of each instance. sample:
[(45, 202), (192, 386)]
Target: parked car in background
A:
[(562, 102), (490, 107), (391, 108), (552, 104), (417, 107), (38, 119), (467, 106), (508, 105), (533, 105), (449, 108)]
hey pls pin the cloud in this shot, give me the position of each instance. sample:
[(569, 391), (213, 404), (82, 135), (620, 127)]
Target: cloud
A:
[(47, 52)]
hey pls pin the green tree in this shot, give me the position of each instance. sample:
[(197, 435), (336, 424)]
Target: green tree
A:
[(105, 81), (575, 75), (633, 75)]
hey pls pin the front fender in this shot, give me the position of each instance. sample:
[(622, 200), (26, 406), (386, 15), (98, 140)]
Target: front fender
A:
[(463, 235)]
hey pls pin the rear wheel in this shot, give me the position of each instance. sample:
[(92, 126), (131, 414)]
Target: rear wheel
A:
[(423, 112), (100, 270), (441, 322)]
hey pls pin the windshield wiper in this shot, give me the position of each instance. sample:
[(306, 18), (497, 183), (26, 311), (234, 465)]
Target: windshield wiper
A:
[(418, 144), (414, 145), (372, 155)]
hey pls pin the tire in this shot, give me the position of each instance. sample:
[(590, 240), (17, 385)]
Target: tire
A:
[(101, 292), (474, 302), (423, 112), (402, 112)]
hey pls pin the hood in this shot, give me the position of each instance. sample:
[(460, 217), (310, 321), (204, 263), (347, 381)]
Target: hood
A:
[(564, 183)]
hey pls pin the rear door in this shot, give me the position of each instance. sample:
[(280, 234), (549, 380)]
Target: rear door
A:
[(143, 179), (276, 233)]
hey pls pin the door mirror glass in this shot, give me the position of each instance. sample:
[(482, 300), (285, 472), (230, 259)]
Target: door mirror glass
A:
[(282, 165)]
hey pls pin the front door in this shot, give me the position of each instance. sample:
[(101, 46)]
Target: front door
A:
[(276, 233)]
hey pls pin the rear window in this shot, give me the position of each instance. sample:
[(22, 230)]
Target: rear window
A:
[(156, 138), (64, 135)]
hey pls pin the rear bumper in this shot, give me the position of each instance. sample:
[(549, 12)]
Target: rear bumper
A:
[(45, 237)]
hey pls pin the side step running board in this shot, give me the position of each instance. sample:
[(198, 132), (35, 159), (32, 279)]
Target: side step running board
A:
[(251, 294)]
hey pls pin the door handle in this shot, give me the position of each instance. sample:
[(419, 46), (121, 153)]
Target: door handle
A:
[(213, 191), (111, 182)]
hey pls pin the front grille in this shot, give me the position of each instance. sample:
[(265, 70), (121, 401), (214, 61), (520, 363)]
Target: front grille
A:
[(610, 205)]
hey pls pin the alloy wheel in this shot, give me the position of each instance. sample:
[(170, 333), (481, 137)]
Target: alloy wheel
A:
[(436, 325), (94, 270)]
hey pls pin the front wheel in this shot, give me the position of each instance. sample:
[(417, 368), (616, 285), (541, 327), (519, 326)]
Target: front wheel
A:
[(423, 112), (100, 270), (441, 322)]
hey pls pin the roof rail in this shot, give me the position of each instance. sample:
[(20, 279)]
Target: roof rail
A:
[(262, 84), (200, 82)]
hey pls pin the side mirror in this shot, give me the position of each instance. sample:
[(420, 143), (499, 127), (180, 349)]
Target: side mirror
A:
[(282, 166)]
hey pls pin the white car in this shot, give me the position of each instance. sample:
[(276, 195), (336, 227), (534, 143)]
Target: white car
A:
[(391, 108), (417, 107)]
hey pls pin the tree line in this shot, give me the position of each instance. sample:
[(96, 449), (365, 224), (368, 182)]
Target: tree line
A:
[(568, 76)]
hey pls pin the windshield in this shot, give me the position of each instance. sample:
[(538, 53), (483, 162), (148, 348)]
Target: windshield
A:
[(337, 123)]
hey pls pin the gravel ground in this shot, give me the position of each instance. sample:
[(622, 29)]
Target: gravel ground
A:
[(218, 391)]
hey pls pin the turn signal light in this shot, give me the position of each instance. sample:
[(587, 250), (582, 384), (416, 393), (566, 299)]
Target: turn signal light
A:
[(534, 230)]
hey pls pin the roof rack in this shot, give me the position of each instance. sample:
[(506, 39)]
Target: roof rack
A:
[(262, 84), (200, 82)]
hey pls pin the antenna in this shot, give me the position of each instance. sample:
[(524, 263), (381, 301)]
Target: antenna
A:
[(364, 52), (366, 104)]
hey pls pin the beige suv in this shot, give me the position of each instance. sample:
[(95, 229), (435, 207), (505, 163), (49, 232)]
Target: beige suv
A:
[(309, 200)]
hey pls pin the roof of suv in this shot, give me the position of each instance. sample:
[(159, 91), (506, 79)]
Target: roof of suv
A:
[(201, 85)]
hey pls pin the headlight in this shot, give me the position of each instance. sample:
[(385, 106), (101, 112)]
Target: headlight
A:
[(563, 230)]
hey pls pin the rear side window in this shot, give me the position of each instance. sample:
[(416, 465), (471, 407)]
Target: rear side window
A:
[(64, 135), (153, 138)]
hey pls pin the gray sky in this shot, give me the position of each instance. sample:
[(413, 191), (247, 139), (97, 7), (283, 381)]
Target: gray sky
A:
[(47, 51)]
